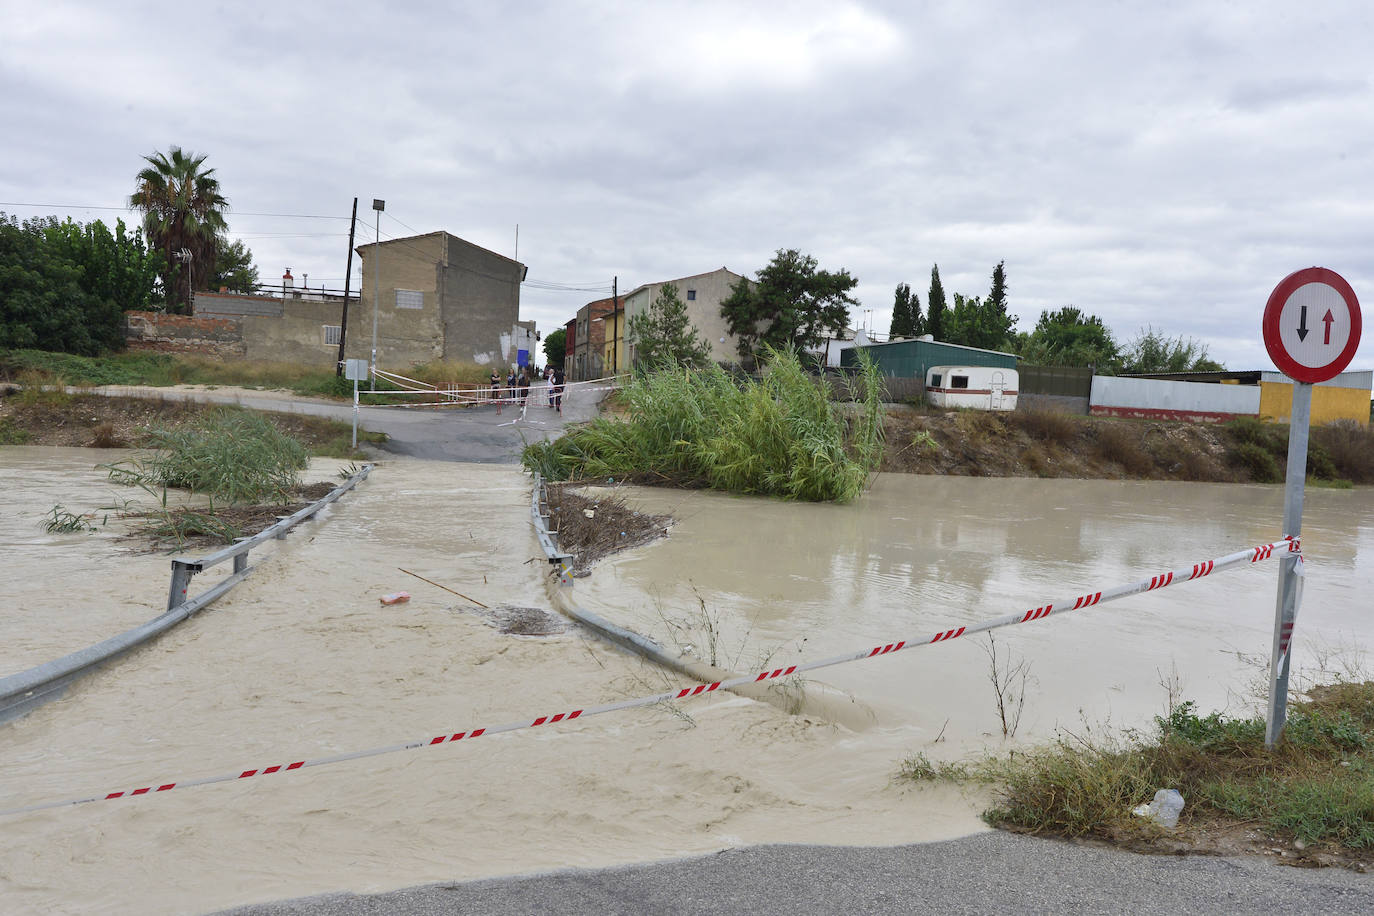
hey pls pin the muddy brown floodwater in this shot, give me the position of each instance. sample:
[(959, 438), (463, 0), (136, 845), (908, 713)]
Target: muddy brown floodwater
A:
[(919, 555), (302, 661)]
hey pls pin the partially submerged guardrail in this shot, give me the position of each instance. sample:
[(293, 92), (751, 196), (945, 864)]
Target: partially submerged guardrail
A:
[(539, 514), (22, 692)]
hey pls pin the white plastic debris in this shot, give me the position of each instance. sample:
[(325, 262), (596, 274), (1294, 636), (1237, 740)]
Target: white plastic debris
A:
[(1164, 809)]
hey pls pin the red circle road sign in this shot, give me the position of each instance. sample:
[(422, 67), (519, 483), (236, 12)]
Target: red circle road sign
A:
[(1312, 325)]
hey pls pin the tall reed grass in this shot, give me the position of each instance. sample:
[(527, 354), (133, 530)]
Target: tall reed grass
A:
[(232, 455), (777, 435)]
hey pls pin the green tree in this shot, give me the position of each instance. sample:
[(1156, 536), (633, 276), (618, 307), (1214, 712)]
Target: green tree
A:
[(183, 215), (234, 268), (1069, 337), (975, 322), (906, 314), (116, 266), (556, 346), (997, 297), (1152, 352), (789, 307), (936, 309), (45, 302), (664, 335)]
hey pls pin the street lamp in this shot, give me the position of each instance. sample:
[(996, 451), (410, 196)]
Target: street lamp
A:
[(378, 206)]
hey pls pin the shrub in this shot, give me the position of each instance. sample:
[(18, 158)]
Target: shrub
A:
[(1268, 436), (11, 434), (975, 426), (1034, 459), (1048, 425), (1116, 443), (1262, 466), (1350, 447), (1319, 463), (103, 436)]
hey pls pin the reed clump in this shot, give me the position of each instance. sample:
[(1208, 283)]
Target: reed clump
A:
[(231, 455), (775, 435)]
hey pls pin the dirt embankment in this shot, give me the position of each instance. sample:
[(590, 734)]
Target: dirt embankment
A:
[(97, 421), (1043, 444)]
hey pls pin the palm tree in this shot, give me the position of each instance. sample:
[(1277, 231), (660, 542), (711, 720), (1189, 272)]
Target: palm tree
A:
[(183, 215)]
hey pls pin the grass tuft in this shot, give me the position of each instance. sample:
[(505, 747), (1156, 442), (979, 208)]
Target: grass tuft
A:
[(1317, 786), (1047, 425)]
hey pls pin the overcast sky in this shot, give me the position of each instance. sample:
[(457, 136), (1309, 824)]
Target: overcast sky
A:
[(1152, 163)]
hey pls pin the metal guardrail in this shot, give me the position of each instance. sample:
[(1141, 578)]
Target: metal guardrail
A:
[(540, 516), (22, 692)]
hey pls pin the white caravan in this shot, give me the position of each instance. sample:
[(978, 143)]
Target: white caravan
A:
[(983, 387)]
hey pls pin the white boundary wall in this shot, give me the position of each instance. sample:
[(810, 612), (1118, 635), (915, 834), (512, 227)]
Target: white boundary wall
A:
[(1198, 402)]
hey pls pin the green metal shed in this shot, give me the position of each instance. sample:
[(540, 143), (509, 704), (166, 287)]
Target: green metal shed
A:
[(911, 358)]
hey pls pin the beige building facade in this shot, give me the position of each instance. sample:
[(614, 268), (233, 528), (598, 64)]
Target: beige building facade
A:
[(702, 294), (439, 298)]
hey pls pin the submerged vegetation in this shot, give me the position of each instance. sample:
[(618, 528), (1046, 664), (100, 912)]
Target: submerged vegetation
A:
[(232, 455), (775, 435)]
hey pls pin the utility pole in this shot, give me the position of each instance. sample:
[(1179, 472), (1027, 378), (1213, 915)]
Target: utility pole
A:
[(378, 206), (348, 275), (615, 326)]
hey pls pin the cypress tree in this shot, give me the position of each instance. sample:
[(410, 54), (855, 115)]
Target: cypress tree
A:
[(936, 310), (901, 313)]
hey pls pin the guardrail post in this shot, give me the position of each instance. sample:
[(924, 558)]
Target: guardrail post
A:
[(181, 580), (241, 562)]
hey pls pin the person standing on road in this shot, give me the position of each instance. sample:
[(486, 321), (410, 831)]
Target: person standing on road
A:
[(496, 389), (556, 389)]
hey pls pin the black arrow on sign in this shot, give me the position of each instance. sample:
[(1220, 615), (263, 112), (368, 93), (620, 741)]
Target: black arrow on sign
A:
[(1302, 324), (1328, 318)]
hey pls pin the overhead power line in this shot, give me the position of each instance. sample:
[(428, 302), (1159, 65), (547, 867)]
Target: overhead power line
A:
[(15, 203)]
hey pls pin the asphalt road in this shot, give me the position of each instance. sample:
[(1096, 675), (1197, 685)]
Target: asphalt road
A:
[(477, 434), (987, 873)]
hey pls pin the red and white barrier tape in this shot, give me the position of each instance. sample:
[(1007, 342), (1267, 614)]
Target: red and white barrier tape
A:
[(1090, 599), (481, 395)]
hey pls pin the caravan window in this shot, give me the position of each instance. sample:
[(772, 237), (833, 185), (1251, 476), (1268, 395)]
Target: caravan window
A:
[(935, 380), (958, 381)]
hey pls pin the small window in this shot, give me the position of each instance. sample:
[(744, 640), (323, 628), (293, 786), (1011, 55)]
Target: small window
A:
[(691, 295), (935, 380), (958, 381), (410, 299), (332, 333)]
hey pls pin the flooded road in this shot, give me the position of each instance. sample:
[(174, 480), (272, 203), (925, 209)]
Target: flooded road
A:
[(919, 555), (302, 661), (66, 591)]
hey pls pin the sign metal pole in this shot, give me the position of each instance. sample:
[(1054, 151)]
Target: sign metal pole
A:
[(1290, 582)]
